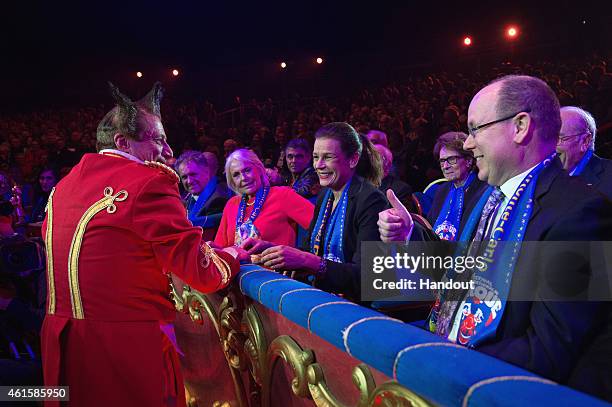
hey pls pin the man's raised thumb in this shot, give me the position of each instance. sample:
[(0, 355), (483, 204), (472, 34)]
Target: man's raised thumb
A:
[(399, 207)]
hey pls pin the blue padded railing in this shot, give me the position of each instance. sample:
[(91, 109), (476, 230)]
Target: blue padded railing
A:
[(440, 371)]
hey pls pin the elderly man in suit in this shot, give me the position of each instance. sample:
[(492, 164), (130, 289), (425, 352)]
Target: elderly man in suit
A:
[(576, 149), (206, 196), (514, 124)]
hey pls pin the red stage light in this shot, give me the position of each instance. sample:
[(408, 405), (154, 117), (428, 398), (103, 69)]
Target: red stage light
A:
[(512, 32), (319, 60), (139, 74), (467, 41), (283, 65), (175, 72)]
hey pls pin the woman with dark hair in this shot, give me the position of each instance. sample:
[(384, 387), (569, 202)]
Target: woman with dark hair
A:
[(259, 211), (455, 199), (47, 179), (349, 170)]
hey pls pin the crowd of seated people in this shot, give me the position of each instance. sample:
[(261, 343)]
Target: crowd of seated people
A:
[(403, 136), (412, 113)]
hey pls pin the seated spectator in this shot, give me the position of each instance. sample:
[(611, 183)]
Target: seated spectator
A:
[(576, 149), (47, 180), (378, 137), (259, 211), (213, 163), (402, 190), (303, 178), (229, 146), (346, 213), (455, 199), (206, 197), (22, 302), (514, 125)]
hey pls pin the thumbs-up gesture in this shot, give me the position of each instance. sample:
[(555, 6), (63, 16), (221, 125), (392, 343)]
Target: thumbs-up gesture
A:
[(395, 224)]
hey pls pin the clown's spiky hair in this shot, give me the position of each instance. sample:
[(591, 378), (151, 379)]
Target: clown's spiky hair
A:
[(123, 118)]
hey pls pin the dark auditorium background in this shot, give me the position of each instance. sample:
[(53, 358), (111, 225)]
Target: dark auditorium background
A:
[(401, 67), (392, 66)]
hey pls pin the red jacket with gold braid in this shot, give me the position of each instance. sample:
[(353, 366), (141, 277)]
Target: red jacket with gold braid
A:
[(114, 228)]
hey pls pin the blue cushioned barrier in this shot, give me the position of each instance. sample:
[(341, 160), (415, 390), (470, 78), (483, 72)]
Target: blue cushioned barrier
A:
[(440, 371)]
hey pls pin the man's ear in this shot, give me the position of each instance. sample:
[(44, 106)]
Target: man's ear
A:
[(522, 124), (121, 142), (586, 143)]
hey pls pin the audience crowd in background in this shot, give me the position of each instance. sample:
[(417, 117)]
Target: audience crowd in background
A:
[(410, 130), (412, 113)]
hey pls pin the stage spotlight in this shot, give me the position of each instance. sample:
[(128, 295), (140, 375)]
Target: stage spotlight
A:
[(139, 74), (319, 61), (283, 65), (512, 32), (467, 41), (175, 72)]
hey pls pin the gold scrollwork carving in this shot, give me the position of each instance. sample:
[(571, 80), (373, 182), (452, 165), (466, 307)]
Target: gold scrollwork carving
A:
[(241, 350), (192, 303), (244, 344), (393, 394), (256, 345), (322, 395), (298, 359)]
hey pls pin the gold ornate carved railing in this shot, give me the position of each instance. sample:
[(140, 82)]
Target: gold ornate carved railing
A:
[(252, 359)]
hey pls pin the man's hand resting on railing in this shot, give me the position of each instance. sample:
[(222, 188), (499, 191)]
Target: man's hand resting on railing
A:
[(395, 224)]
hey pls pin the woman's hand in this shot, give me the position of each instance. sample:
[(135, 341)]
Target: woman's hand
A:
[(255, 246), (289, 258)]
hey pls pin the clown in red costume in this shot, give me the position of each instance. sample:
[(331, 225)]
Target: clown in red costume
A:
[(115, 227)]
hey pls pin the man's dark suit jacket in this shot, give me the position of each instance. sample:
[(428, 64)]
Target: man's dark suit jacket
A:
[(598, 173), (212, 207), (471, 197), (550, 337), (365, 201)]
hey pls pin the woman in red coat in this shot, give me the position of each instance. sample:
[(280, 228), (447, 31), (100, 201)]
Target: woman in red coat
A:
[(259, 211)]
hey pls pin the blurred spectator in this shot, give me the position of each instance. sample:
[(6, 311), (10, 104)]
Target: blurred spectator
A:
[(377, 137), (402, 190), (455, 199), (206, 197), (576, 149), (302, 176)]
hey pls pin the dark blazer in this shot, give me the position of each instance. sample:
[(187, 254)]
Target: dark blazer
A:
[(216, 202), (472, 195), (365, 201), (598, 173), (549, 337), (212, 208)]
